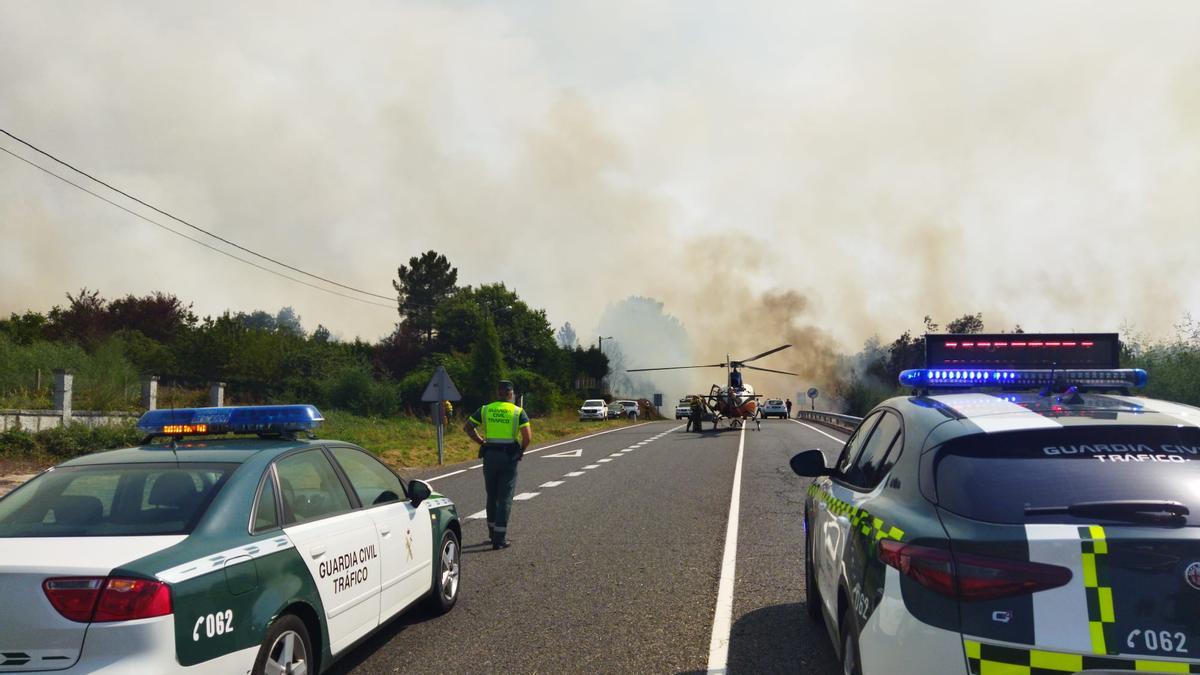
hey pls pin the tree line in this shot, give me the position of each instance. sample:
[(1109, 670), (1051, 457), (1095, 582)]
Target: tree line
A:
[(479, 333)]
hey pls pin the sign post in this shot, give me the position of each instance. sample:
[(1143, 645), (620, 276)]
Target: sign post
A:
[(440, 389), (812, 395)]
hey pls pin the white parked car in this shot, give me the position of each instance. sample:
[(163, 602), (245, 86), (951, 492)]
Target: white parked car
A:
[(630, 408), (774, 407), (593, 409)]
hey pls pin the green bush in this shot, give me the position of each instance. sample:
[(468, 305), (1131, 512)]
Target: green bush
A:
[(17, 443), (67, 442), (355, 390)]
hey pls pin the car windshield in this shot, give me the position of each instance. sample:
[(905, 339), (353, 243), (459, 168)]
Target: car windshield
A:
[(112, 500), (996, 477), (593, 404)]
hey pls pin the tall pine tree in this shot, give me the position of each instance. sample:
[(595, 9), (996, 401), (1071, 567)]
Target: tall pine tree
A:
[(421, 286)]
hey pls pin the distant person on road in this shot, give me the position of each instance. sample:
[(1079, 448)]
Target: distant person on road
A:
[(447, 412), (506, 435), (697, 417), (789, 407)]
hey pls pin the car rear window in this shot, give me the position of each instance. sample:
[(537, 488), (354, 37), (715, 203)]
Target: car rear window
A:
[(995, 477), (112, 500)]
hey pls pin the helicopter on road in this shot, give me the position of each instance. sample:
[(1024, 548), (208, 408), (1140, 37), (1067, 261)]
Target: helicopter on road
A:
[(736, 401)]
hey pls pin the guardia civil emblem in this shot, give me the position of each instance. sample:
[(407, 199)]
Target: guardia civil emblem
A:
[(1192, 574)]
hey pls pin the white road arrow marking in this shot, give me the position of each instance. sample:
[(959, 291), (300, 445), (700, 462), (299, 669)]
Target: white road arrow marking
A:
[(577, 452), (479, 515)]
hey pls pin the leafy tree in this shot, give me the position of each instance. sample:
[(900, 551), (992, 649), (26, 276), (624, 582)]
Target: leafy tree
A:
[(158, 316), (567, 339), (288, 321), (487, 366), (421, 286), (84, 321), (967, 323), (257, 320), (25, 328)]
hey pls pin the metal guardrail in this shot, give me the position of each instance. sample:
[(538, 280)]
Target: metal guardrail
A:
[(847, 423)]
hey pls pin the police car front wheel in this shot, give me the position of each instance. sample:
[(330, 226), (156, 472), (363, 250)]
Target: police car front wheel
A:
[(446, 574), (286, 649), (850, 659)]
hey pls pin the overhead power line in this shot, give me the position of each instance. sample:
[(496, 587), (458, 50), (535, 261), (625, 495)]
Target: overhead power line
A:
[(191, 239), (177, 218)]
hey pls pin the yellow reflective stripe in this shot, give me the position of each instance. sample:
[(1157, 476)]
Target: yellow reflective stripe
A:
[(1089, 570), (1096, 629), (483, 411), (1070, 663), (1097, 531), (972, 648), (997, 668), (1107, 614), (1161, 667)]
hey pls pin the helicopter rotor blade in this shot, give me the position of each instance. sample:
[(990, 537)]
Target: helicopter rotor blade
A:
[(768, 370), (766, 353), (642, 370)]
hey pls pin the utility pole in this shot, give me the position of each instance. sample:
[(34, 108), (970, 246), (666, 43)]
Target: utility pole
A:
[(601, 347)]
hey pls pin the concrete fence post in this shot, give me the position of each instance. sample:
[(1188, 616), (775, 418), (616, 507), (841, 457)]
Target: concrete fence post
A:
[(150, 393), (63, 390), (216, 394)]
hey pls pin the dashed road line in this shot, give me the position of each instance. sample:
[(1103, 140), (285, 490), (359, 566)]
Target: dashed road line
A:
[(615, 454), (525, 496), (573, 474), (584, 438), (592, 466), (606, 459), (552, 483)]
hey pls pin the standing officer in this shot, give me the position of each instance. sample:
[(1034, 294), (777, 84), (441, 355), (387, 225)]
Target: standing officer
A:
[(697, 416), (789, 407), (506, 434)]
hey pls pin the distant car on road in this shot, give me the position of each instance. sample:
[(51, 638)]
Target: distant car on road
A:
[(683, 409), (593, 409), (615, 411), (1010, 521), (629, 408), (213, 554), (774, 407)]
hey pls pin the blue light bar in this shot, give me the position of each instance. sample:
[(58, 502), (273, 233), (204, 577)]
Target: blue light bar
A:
[(251, 419), (1010, 378)]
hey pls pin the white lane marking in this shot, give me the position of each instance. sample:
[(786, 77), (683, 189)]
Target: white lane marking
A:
[(524, 496), (476, 466), (839, 440), (584, 438), (718, 646), (592, 466), (606, 459), (445, 475), (573, 474), (479, 514), (627, 450), (615, 454), (551, 483), (577, 452)]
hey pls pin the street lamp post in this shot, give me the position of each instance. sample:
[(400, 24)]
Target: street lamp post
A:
[(601, 348)]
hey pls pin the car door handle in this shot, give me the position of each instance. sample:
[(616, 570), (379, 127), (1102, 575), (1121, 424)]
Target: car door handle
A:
[(316, 551), (384, 531)]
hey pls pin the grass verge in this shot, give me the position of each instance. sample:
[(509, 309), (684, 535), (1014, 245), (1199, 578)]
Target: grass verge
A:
[(403, 442)]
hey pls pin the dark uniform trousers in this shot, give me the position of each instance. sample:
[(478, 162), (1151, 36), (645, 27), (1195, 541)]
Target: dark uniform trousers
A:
[(500, 481)]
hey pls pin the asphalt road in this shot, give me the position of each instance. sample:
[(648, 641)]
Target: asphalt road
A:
[(616, 562)]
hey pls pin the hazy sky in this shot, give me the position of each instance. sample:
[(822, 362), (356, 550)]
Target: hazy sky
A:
[(767, 170)]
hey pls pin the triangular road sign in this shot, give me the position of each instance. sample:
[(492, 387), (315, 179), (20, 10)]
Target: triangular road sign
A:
[(578, 452), (441, 388)]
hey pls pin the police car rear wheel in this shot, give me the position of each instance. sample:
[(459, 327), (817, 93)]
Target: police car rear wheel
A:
[(447, 575), (286, 649), (850, 663)]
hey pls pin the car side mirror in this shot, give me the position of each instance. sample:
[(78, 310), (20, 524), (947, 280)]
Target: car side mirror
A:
[(418, 491), (810, 463)]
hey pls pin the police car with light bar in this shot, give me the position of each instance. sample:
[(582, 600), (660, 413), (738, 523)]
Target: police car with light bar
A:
[(1020, 512), (210, 553)]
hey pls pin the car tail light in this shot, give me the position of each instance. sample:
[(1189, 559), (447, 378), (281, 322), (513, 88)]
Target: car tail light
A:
[(970, 577), (101, 599)]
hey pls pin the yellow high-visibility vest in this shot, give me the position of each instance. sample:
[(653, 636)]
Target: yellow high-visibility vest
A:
[(501, 423)]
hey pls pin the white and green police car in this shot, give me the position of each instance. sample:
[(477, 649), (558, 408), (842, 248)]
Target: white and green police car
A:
[(217, 554), (1019, 514)]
